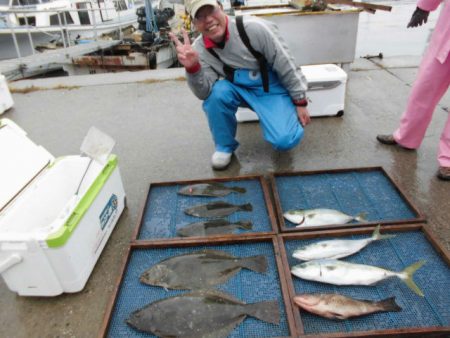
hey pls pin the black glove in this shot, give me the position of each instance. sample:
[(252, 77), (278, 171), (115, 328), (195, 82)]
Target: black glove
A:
[(418, 18)]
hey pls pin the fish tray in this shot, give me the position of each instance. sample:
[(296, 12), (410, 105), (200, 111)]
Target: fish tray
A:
[(129, 294), (420, 316), (352, 191), (163, 210)]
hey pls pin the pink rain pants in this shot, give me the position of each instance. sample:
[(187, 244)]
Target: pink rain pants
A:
[(430, 85)]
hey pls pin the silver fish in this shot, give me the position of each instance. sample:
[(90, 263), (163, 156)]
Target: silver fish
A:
[(212, 227), (200, 314), (318, 217), (337, 248), (335, 306), (333, 271), (209, 189), (200, 269), (217, 209)]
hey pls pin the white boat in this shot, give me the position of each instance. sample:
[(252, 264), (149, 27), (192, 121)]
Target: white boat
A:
[(24, 24)]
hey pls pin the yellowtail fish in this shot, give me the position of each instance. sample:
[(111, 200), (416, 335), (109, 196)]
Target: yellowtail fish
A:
[(337, 248), (318, 217), (334, 306), (336, 272)]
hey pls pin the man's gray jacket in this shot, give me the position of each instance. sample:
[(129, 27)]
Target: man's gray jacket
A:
[(264, 38)]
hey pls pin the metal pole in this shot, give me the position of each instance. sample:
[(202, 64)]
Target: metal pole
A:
[(65, 28), (120, 26), (29, 33), (62, 29), (94, 23), (16, 45)]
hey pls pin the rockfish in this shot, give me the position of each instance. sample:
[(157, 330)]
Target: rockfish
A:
[(217, 209), (317, 217), (337, 248), (335, 306), (212, 227), (200, 314), (209, 189), (200, 269), (333, 271)]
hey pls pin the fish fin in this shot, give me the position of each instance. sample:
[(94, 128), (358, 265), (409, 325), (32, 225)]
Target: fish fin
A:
[(265, 311), (246, 207), (407, 277), (239, 190), (214, 252), (377, 236), (389, 304), (217, 293), (246, 225), (224, 331), (255, 263), (361, 217)]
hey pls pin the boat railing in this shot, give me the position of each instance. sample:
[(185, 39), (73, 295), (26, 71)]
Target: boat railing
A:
[(62, 28)]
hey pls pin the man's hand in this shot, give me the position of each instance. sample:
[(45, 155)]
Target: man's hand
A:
[(418, 18), (303, 115), (187, 56)]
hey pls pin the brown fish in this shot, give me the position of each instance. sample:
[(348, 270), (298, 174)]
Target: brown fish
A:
[(217, 209), (334, 306), (200, 314), (212, 227), (200, 269), (209, 189)]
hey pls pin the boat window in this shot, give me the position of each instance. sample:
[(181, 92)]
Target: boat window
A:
[(31, 20), (25, 2), (55, 22), (83, 13), (120, 5)]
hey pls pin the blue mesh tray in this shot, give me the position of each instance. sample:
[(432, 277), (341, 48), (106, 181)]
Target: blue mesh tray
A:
[(425, 315), (163, 212), (246, 285), (352, 191)]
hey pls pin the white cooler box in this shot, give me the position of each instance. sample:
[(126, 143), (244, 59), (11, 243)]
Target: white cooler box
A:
[(50, 237), (326, 92)]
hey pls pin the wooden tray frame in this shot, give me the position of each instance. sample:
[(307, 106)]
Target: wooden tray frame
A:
[(174, 240), (206, 241), (279, 211), (437, 331)]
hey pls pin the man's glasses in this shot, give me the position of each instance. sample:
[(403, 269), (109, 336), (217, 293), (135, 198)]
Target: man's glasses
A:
[(205, 13)]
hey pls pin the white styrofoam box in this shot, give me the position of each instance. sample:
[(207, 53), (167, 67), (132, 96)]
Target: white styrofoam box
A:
[(326, 92), (51, 238), (6, 100)]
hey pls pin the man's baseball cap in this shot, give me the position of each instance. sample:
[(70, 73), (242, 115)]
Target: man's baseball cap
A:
[(195, 5)]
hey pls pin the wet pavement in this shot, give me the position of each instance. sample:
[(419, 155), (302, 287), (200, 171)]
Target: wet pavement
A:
[(162, 135)]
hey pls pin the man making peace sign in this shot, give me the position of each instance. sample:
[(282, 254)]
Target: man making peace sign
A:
[(226, 73)]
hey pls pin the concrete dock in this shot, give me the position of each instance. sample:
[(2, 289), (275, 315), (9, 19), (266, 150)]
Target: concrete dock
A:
[(162, 135)]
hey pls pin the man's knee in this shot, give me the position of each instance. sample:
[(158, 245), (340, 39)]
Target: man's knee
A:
[(288, 141), (221, 94)]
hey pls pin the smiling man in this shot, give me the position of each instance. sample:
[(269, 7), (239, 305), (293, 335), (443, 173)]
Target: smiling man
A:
[(243, 62)]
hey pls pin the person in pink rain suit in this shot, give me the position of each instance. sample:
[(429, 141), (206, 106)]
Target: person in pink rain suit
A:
[(433, 80)]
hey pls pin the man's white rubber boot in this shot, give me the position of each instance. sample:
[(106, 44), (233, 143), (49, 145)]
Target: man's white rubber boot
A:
[(220, 160)]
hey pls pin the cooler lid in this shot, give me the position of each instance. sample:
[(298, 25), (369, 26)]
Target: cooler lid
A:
[(21, 161)]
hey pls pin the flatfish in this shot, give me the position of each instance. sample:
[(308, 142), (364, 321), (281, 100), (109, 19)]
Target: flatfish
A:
[(336, 272), (337, 248), (212, 227), (200, 314), (318, 217), (209, 189), (334, 306), (217, 209), (200, 269)]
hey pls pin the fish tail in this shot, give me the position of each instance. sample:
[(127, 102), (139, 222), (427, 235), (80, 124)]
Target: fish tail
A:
[(361, 217), (407, 277), (239, 190), (377, 236), (389, 305), (265, 311), (246, 207), (255, 263), (246, 225)]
